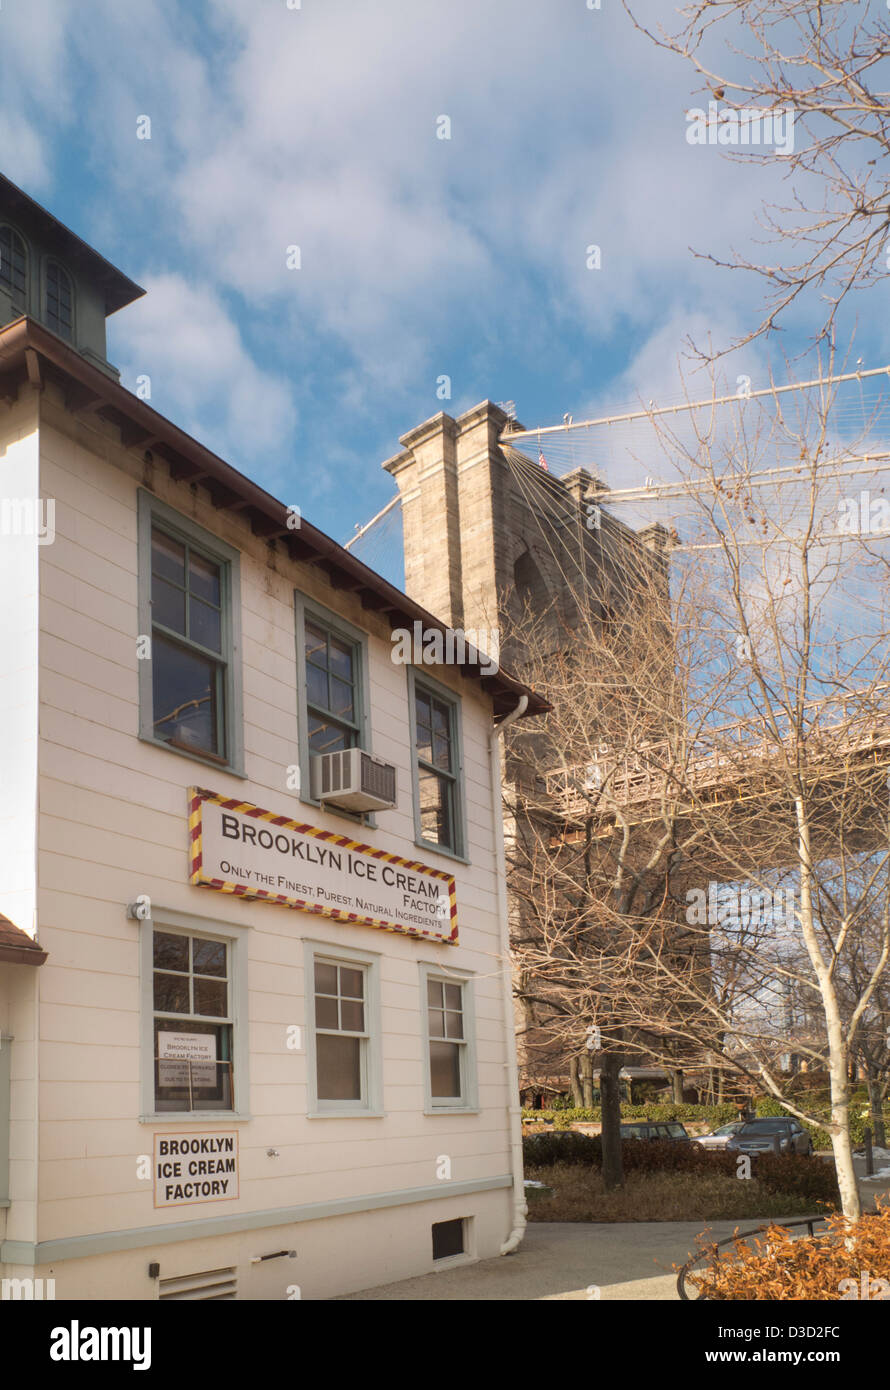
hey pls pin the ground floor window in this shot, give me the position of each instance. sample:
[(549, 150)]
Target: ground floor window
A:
[(449, 1064), (195, 1016), (192, 1023), (341, 1004)]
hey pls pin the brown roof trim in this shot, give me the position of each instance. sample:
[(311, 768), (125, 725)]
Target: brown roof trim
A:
[(89, 389), (17, 947)]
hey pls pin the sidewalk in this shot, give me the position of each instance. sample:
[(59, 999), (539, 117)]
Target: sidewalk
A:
[(561, 1260)]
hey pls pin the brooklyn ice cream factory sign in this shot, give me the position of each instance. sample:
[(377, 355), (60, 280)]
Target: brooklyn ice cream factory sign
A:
[(239, 848)]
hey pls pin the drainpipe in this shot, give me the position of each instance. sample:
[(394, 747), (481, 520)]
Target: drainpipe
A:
[(512, 1065)]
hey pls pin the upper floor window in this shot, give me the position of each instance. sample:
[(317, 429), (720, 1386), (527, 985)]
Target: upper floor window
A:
[(190, 686), (437, 764), (59, 300), (331, 688), (14, 267), (332, 684)]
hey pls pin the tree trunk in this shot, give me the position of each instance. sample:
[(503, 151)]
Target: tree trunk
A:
[(677, 1086), (876, 1111), (610, 1096), (838, 1058), (587, 1081), (575, 1074)]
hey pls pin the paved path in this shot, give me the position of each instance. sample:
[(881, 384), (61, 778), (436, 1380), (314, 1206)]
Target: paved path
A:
[(566, 1260), (562, 1260)]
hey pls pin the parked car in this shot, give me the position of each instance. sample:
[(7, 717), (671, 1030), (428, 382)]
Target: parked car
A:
[(771, 1135), (719, 1138), (661, 1129)]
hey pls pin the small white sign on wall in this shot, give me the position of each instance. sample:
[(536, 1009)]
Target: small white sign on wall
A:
[(195, 1167)]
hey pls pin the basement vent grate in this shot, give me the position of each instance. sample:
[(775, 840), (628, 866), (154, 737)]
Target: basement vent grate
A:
[(209, 1285)]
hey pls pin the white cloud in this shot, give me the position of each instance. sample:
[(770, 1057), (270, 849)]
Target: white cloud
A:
[(201, 373), (24, 156)]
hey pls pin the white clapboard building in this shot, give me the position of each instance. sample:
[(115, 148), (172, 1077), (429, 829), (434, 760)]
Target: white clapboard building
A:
[(255, 1023)]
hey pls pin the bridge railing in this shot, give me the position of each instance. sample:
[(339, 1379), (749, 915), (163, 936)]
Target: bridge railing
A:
[(836, 725)]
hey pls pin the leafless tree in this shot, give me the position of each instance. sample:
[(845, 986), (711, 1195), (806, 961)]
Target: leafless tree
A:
[(821, 60), (726, 729)]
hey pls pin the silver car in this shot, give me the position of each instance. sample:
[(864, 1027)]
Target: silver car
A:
[(771, 1135), (719, 1138)]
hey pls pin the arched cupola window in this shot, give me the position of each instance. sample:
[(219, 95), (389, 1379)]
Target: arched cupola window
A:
[(14, 267), (59, 300)]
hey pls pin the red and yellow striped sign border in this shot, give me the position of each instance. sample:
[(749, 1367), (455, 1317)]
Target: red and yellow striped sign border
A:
[(197, 797)]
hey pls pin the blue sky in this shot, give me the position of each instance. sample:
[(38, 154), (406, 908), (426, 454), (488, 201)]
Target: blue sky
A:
[(420, 257)]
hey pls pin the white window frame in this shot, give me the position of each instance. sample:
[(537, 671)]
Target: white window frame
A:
[(371, 1104), (187, 923), (468, 1104)]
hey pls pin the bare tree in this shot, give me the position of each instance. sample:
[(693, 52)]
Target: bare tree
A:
[(728, 732), (820, 60)]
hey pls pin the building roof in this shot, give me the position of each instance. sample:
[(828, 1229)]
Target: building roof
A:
[(17, 947), (118, 288), (29, 352)]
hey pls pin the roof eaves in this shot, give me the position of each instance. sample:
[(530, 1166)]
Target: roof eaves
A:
[(88, 388)]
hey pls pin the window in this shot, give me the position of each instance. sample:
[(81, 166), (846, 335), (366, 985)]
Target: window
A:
[(344, 1035), (59, 301), (332, 676), (192, 1023), (14, 267), (438, 790), (341, 1036), (448, 1239), (194, 1026), (450, 1082), (190, 694), (331, 696)]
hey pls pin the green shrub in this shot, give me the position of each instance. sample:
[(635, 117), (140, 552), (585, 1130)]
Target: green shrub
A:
[(714, 1114), (815, 1102), (820, 1104)]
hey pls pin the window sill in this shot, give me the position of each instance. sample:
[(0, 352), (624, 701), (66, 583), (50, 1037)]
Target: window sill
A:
[(191, 1117), (452, 1110), (451, 1261), (431, 848), (346, 1115), (194, 757)]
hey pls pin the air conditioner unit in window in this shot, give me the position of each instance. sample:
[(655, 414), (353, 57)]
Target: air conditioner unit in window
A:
[(353, 780)]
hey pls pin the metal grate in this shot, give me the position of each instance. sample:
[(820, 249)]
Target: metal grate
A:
[(378, 779), (209, 1285)]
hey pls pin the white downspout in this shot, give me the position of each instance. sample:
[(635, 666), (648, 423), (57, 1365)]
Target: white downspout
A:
[(512, 1065)]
